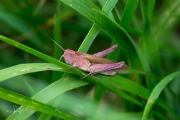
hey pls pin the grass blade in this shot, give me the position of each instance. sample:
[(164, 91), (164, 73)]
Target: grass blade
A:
[(92, 12), (49, 93), (57, 37), (149, 46), (150, 8), (33, 104), (156, 92), (38, 54), (27, 68), (128, 13), (109, 5)]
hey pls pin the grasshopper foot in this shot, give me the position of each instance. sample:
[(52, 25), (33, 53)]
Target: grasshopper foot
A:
[(86, 75), (91, 75)]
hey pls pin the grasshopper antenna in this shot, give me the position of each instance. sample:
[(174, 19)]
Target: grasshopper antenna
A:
[(56, 43)]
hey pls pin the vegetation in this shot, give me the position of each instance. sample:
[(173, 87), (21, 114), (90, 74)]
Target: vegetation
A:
[(34, 84)]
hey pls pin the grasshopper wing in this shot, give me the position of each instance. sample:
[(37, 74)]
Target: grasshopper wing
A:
[(99, 60)]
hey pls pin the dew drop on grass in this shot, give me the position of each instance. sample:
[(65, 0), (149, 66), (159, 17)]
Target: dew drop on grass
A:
[(66, 79), (58, 110), (152, 101), (16, 45), (34, 102), (23, 70), (14, 74)]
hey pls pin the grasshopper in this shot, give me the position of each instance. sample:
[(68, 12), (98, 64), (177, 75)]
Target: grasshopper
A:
[(93, 63)]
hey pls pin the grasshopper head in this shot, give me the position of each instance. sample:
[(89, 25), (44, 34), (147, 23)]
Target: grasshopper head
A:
[(69, 56)]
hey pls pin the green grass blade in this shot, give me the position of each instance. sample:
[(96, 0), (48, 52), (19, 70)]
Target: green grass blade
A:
[(166, 107), (110, 85), (125, 21), (146, 31), (35, 67), (46, 94), (149, 46), (57, 31), (116, 15), (156, 92), (28, 86), (27, 68), (150, 8), (45, 117), (128, 13), (39, 6), (39, 54), (33, 104), (58, 38), (49, 93), (109, 5), (92, 79), (118, 116), (92, 12), (31, 51), (127, 85)]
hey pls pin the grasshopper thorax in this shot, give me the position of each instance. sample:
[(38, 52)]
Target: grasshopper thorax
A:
[(69, 56)]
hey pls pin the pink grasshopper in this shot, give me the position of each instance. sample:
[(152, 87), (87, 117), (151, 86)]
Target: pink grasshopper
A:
[(93, 63)]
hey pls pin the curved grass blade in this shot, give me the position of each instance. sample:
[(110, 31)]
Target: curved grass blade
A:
[(120, 82), (58, 38), (27, 68), (125, 21), (150, 8), (156, 92), (92, 12), (128, 13), (150, 48), (109, 5), (75, 71), (49, 93), (114, 84), (33, 104), (39, 54)]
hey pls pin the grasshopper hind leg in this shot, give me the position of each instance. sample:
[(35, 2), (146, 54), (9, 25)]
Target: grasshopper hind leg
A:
[(105, 52)]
